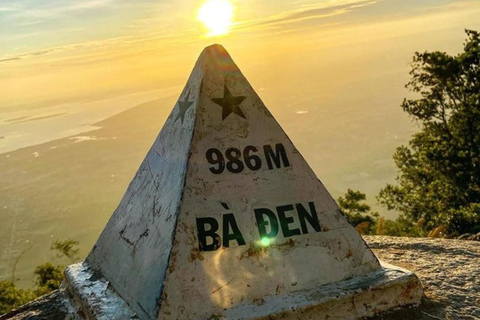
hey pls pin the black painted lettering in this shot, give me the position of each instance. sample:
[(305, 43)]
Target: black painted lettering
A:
[(311, 217), (234, 164), (285, 221), (229, 222), (262, 223), (215, 157), (252, 161), (276, 157), (204, 234)]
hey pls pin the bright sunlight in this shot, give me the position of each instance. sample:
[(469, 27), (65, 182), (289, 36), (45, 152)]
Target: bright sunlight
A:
[(217, 16)]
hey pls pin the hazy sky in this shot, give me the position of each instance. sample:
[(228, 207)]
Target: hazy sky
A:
[(54, 50)]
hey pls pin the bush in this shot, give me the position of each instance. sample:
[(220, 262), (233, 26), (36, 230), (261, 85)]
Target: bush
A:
[(11, 297), (359, 214)]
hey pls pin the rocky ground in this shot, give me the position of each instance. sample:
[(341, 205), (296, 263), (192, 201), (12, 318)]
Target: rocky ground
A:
[(448, 269), (47, 307)]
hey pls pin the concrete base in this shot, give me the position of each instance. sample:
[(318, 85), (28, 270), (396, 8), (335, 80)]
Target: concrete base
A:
[(389, 287), (92, 298), (365, 296)]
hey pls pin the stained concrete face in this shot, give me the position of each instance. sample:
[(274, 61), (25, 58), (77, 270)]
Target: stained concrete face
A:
[(224, 211), (254, 220)]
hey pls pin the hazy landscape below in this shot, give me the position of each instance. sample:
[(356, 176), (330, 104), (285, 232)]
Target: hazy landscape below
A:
[(68, 188)]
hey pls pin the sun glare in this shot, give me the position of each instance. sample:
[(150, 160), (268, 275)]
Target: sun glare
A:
[(217, 16)]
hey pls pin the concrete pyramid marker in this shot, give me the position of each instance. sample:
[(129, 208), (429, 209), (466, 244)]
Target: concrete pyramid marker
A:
[(225, 220)]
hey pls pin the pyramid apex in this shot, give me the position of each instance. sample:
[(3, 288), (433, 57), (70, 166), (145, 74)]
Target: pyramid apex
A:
[(215, 46), (217, 55)]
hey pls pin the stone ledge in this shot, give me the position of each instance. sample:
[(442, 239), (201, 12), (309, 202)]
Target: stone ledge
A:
[(92, 297), (364, 296), (359, 297)]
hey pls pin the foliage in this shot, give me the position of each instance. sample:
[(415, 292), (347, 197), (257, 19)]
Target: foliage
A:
[(359, 214), (399, 227), (11, 297), (66, 248), (438, 180), (49, 278)]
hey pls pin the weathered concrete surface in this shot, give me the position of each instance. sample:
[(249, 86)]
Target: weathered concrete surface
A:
[(224, 212), (355, 298), (92, 297), (133, 251)]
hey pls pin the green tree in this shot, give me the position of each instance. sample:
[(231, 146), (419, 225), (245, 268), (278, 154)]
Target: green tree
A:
[(66, 248), (399, 227), (49, 278), (358, 213), (12, 297), (438, 180)]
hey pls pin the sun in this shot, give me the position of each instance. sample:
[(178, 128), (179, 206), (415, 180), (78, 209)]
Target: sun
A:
[(217, 16)]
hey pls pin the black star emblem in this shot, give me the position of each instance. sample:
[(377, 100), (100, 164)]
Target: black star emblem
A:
[(230, 104), (183, 106)]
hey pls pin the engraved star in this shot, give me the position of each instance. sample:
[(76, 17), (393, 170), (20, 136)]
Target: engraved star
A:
[(230, 104), (184, 106)]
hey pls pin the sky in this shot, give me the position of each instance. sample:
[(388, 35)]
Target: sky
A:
[(54, 51), (331, 71)]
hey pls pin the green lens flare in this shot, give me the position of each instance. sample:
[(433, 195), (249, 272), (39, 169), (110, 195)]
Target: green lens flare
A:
[(265, 242)]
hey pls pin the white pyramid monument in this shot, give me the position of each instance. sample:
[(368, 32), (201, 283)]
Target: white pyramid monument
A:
[(226, 220)]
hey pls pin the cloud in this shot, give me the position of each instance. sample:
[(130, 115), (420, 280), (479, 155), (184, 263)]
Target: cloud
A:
[(54, 10), (307, 13), (105, 45), (321, 12), (9, 59), (30, 54), (7, 9)]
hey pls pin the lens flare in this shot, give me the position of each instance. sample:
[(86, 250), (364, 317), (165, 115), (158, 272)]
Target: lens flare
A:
[(217, 16), (265, 242)]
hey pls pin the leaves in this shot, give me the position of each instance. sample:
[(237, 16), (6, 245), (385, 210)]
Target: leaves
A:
[(359, 214), (66, 248), (438, 177), (12, 297), (49, 277)]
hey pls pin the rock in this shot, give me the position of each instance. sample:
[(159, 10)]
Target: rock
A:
[(448, 270), (464, 236), (475, 237), (48, 307)]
